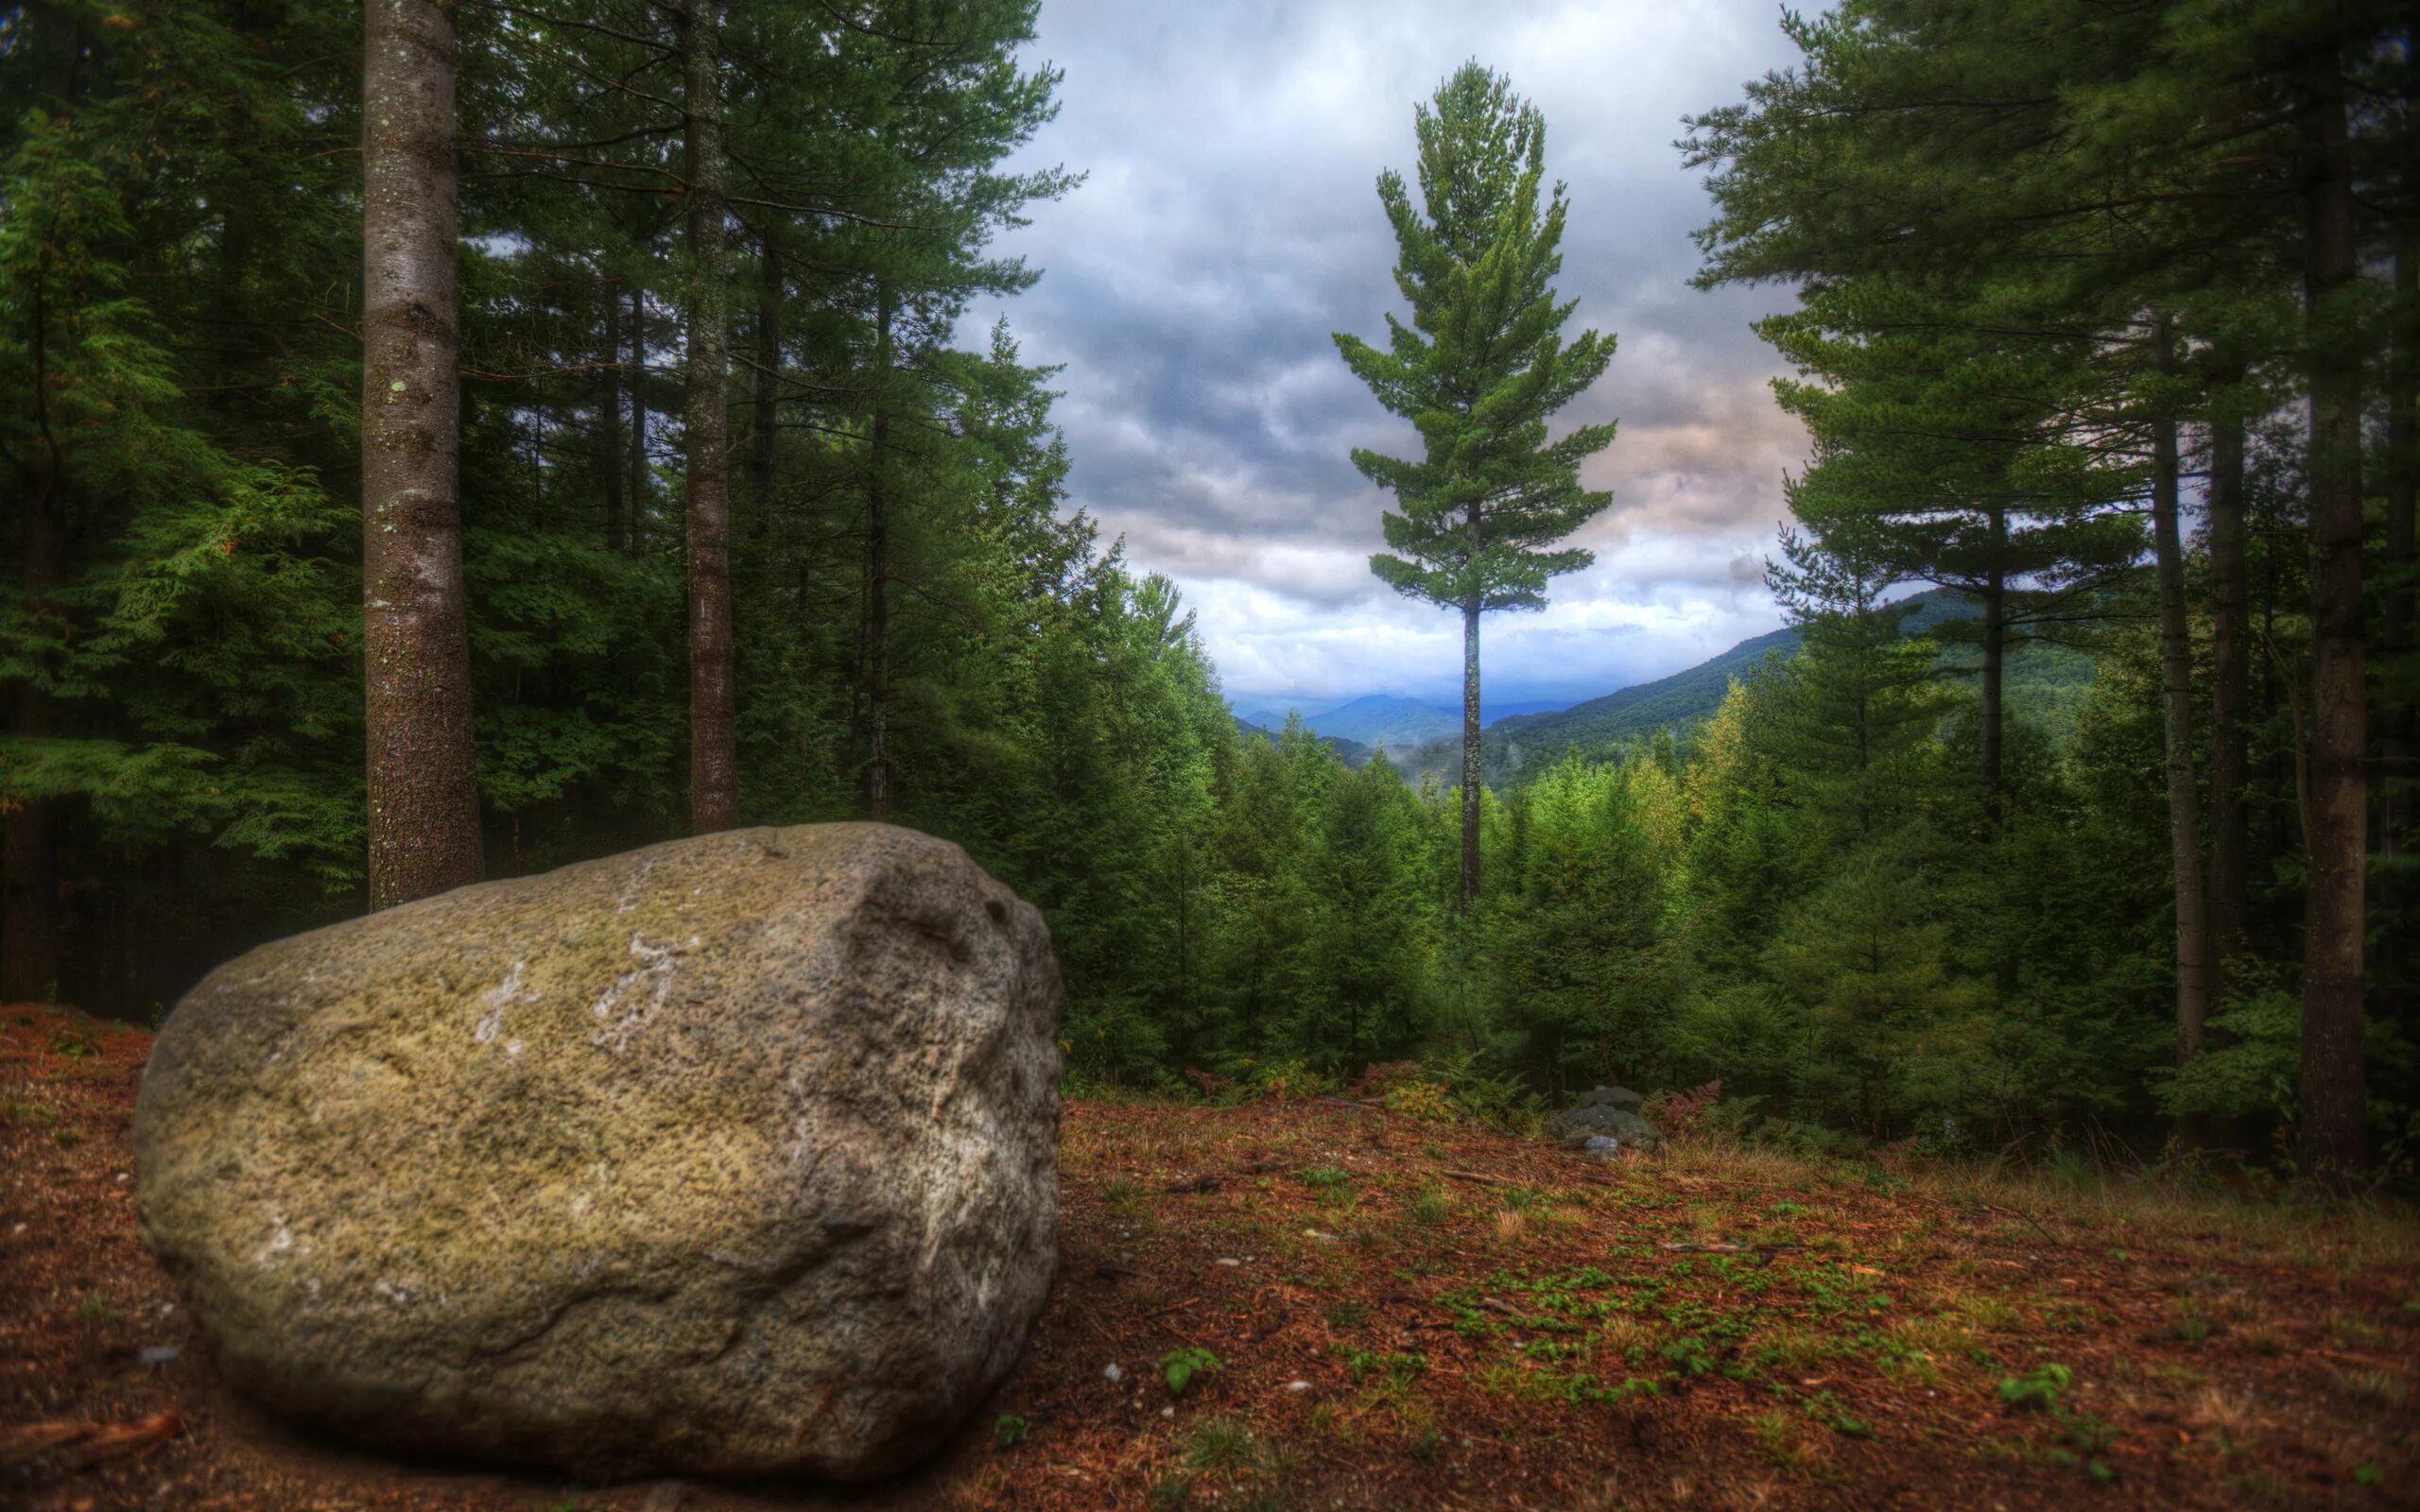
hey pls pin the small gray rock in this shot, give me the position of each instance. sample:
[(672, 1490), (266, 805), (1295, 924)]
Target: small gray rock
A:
[(1603, 1146), (1574, 1125), (1601, 1096)]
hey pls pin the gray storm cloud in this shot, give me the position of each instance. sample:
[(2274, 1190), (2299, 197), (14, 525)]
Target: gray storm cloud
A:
[(1231, 224)]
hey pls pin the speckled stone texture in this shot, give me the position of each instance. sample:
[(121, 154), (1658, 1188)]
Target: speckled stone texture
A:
[(734, 1156)]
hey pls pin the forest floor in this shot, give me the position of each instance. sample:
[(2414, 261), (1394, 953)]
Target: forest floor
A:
[(1402, 1315)]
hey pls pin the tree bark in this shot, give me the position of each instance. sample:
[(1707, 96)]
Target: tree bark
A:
[(765, 390), (2176, 708), (1990, 737), (2230, 691), (878, 575), (2402, 740), (1470, 748), (423, 786), (2402, 459), (2331, 1137), (713, 762), (642, 488), (609, 426)]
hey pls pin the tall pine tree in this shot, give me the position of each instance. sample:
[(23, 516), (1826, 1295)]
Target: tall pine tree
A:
[(1478, 371)]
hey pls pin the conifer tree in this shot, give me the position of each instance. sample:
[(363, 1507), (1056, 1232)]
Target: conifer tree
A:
[(713, 758), (423, 788), (1847, 722), (1478, 371)]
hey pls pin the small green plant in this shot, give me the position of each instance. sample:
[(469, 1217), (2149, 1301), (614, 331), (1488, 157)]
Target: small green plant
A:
[(73, 1045), (1775, 1439), (1010, 1430), (1182, 1364), (2374, 1387), (2039, 1389), (1834, 1414), (99, 1310), (1397, 1369), (2089, 1435), (1325, 1178), (2193, 1328), (1218, 1444), (1428, 1208), (1121, 1189)]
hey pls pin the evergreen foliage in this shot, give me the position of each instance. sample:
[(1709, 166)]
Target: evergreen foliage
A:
[(1478, 371), (1909, 868)]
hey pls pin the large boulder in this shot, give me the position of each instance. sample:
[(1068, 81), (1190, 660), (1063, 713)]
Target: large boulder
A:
[(733, 1155)]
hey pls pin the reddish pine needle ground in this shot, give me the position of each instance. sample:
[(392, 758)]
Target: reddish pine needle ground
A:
[(1401, 1314)]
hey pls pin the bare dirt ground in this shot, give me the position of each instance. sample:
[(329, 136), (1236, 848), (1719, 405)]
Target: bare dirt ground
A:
[(1401, 1314)]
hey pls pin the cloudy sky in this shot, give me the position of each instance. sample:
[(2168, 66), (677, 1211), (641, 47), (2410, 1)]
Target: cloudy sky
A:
[(1231, 223)]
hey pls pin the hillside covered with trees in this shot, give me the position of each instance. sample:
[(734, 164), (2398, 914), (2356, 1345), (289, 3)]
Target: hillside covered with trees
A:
[(644, 485)]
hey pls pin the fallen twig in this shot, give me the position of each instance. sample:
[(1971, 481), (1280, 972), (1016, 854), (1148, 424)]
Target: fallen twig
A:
[(88, 1443)]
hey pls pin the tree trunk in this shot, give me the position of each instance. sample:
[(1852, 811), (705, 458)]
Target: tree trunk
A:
[(2176, 708), (2402, 460), (714, 762), (642, 486), (878, 575), (1470, 749), (2331, 1133), (424, 785), (1995, 665), (766, 390), (609, 426), (2402, 742), (2230, 690)]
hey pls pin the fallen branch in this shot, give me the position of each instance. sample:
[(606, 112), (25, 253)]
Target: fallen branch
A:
[(1733, 1249), (88, 1443)]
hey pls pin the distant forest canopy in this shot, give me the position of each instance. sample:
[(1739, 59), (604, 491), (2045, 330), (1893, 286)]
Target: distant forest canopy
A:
[(2098, 856)]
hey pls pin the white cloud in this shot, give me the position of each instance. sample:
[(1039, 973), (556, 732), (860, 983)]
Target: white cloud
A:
[(1230, 225)]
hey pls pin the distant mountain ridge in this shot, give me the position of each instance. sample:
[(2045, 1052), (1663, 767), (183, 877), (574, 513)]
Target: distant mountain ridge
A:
[(1680, 699), (2045, 683), (1352, 751), (1384, 719)]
